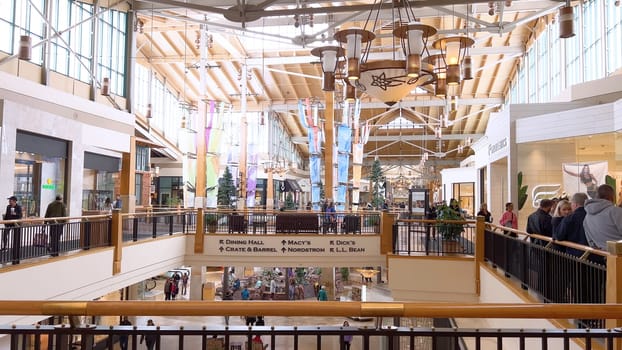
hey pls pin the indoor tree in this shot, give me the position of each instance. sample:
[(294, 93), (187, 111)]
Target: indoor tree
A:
[(226, 189), (376, 175), (289, 201)]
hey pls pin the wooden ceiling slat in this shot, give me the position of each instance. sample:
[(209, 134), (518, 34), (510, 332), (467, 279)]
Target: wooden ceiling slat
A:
[(167, 41)]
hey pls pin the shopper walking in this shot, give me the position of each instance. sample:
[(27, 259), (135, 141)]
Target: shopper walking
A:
[(347, 339), (123, 338), (322, 295), (56, 209), (149, 338)]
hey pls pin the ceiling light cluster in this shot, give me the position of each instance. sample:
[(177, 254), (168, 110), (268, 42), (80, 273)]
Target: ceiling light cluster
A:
[(411, 65)]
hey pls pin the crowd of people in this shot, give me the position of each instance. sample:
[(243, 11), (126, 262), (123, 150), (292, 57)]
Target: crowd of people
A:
[(578, 219), (174, 285)]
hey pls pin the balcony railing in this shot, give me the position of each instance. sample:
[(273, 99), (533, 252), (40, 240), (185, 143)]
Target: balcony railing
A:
[(548, 268), (147, 225), (310, 336), (35, 238), (431, 237), (291, 222)]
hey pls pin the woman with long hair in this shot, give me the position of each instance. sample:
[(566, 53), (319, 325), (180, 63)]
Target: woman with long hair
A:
[(483, 211)]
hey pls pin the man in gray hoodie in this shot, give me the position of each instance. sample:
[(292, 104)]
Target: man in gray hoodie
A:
[(603, 219)]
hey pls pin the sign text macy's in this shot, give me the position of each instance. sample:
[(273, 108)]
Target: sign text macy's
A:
[(289, 245)]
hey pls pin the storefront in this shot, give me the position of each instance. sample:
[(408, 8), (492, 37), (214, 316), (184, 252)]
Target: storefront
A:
[(40, 171), (100, 173)]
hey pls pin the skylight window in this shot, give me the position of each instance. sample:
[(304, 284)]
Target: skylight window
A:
[(401, 123)]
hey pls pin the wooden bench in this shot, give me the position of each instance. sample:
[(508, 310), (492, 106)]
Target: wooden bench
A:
[(237, 223), (351, 223), (292, 223)]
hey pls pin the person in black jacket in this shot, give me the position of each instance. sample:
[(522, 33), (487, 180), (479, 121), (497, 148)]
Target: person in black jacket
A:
[(483, 211), (123, 339), (150, 339), (13, 212), (578, 289), (571, 227), (539, 222)]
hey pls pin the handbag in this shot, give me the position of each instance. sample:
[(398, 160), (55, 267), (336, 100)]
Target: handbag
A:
[(509, 233)]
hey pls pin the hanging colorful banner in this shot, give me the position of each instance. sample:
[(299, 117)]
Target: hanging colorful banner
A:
[(189, 175), (344, 144), (252, 159), (308, 117), (357, 162), (361, 135), (213, 139)]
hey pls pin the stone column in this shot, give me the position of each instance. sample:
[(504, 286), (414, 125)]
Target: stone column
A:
[(128, 178), (195, 284)]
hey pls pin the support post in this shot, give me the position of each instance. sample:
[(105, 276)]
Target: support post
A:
[(116, 238), (128, 178), (199, 236), (197, 279), (329, 132), (480, 227), (270, 191), (387, 220)]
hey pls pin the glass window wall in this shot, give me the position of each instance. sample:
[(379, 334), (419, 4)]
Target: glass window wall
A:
[(75, 21), (169, 191), (465, 194), (38, 179), (97, 186), (573, 60)]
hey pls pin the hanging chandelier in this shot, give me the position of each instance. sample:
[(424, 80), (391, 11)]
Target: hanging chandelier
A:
[(390, 74)]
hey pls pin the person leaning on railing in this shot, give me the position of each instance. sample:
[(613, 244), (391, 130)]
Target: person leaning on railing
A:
[(509, 219), (13, 212), (571, 226), (603, 219)]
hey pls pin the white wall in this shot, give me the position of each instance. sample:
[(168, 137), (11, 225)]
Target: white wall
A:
[(89, 275), (576, 122), (541, 164), (432, 279), (42, 110), (452, 176)]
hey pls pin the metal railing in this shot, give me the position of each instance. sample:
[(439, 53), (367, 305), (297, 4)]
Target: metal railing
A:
[(431, 237), (295, 337), (147, 225), (545, 267), (35, 238), (291, 222), (304, 337)]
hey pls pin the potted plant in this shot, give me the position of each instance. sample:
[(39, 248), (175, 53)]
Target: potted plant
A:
[(372, 220), (211, 221), (449, 231)]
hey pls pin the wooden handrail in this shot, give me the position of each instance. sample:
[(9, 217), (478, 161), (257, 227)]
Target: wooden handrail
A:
[(305, 308), (157, 213), (523, 235), (548, 239), (38, 220)]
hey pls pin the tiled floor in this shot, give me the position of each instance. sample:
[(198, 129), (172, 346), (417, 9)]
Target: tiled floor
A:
[(375, 292)]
